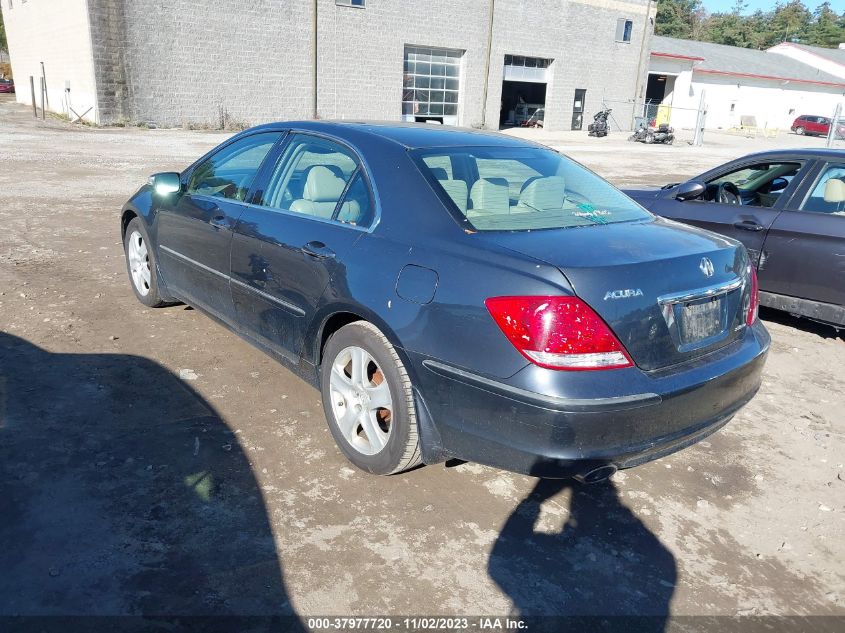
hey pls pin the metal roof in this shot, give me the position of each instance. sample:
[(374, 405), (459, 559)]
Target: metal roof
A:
[(719, 59), (831, 54)]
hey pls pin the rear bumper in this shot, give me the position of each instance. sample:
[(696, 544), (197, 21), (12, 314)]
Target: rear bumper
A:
[(630, 418)]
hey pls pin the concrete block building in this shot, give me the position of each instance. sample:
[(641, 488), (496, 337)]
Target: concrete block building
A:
[(470, 63)]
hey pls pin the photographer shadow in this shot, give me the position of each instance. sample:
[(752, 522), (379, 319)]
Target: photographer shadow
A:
[(604, 562), (123, 492)]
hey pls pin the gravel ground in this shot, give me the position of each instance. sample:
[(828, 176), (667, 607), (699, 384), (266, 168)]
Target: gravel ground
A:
[(152, 462)]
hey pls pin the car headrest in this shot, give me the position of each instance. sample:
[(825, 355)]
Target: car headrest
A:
[(322, 185), (439, 173), (834, 190), (490, 195), (457, 190), (544, 193)]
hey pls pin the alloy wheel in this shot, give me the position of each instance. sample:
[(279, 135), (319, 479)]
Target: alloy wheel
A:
[(139, 263), (362, 406)]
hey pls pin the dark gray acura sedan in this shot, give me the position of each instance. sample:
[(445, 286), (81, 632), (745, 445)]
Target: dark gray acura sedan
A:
[(455, 293)]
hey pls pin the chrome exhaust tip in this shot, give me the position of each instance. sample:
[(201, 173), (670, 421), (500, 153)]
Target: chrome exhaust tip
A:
[(602, 473)]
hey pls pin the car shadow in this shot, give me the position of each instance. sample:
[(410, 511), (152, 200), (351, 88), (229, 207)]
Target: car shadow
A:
[(604, 562), (807, 325), (123, 492)]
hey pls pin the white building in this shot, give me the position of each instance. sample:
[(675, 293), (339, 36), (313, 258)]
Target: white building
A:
[(829, 60), (739, 84)]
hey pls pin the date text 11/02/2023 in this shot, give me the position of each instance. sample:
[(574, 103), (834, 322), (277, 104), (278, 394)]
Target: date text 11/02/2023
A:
[(481, 623)]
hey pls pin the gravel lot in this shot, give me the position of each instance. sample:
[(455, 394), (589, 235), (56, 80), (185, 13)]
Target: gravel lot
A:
[(152, 462)]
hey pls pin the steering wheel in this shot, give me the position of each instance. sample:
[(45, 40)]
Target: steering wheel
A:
[(728, 193)]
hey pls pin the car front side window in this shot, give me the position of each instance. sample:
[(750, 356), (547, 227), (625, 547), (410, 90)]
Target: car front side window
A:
[(758, 185), (828, 194), (230, 172)]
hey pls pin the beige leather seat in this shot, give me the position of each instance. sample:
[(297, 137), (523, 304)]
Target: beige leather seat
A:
[(542, 194), (834, 192), (322, 190), (457, 190), (489, 196)]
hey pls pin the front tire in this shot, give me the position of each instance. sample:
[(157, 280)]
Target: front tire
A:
[(141, 264), (368, 401), (799, 131)]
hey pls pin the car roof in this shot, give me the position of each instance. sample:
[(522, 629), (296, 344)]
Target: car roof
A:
[(409, 135), (808, 152)]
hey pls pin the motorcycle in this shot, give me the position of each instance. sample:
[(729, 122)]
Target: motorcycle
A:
[(599, 126), (648, 135)]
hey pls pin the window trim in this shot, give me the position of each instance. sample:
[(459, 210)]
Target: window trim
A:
[(624, 22), (277, 153), (187, 174), (785, 196), (813, 180)]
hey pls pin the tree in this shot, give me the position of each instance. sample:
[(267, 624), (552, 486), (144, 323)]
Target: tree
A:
[(827, 28), (733, 28), (4, 46), (790, 22), (679, 18)]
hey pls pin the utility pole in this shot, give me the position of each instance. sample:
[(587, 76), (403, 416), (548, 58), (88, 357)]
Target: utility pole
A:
[(698, 139), (834, 124), (314, 110), (487, 63), (643, 54)]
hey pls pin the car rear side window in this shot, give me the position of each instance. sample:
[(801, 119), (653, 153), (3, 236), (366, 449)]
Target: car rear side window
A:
[(828, 194), (522, 189), (230, 172), (320, 178)]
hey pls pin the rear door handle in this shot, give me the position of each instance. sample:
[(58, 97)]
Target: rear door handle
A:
[(749, 225), (318, 250), (220, 221)]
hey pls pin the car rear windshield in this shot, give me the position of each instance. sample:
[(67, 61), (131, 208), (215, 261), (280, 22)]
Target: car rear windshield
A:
[(523, 188)]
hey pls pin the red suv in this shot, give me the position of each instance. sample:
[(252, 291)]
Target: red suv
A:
[(819, 125), (7, 85)]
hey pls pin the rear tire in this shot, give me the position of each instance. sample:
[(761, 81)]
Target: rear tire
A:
[(141, 265), (368, 401)]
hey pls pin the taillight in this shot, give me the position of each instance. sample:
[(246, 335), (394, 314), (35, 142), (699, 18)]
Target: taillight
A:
[(754, 298), (558, 332)]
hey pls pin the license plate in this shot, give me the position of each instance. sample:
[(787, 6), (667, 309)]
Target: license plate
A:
[(700, 321)]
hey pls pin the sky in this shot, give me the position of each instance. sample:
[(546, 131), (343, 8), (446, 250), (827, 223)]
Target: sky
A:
[(726, 5)]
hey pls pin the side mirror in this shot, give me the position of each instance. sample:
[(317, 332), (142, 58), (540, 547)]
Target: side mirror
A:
[(689, 190), (778, 184), (166, 183)]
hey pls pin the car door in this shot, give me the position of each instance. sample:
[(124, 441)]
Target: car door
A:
[(804, 252), (748, 221), (313, 203), (194, 228), (822, 126)]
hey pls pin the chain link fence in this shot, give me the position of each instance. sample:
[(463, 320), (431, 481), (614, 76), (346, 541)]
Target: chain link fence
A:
[(836, 133)]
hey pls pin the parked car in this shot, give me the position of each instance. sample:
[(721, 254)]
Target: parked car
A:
[(788, 208), (457, 293), (7, 86), (529, 115), (816, 125)]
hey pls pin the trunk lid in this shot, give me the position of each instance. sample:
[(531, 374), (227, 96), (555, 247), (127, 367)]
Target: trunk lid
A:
[(649, 281)]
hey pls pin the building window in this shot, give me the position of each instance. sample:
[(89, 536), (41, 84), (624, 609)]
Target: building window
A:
[(527, 62), (350, 3), (623, 30), (431, 82)]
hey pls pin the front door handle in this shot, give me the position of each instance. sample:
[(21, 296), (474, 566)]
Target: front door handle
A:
[(318, 250), (749, 225), (220, 221)]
